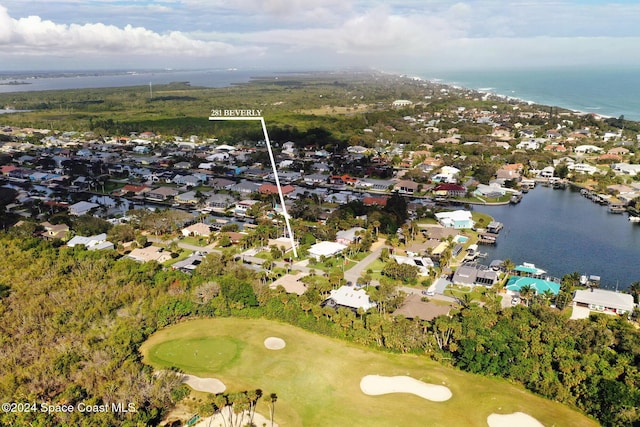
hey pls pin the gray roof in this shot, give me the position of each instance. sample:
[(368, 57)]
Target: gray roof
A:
[(602, 297)]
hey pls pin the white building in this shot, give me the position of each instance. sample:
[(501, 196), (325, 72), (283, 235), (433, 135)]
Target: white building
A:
[(347, 296), (626, 168), (604, 301), (583, 168), (326, 249)]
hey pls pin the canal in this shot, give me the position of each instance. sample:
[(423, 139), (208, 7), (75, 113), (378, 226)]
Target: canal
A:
[(561, 232)]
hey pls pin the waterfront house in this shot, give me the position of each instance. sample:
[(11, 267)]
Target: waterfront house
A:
[(219, 202), (604, 301), (583, 168), (190, 197), (626, 168), (243, 206), (449, 190), (406, 187), (471, 274), (270, 189), (82, 208), (162, 193), (460, 219), (539, 285)]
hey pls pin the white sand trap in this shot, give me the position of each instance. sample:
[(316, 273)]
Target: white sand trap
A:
[(519, 419), (222, 419), (209, 385), (375, 385), (273, 343)]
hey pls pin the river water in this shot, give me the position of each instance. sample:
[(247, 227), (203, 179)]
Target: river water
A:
[(561, 232)]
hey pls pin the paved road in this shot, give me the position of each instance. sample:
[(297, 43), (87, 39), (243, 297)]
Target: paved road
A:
[(353, 274)]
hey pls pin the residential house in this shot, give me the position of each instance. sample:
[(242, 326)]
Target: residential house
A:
[(197, 229), (219, 202), (424, 264), (587, 149), (92, 243), (267, 188), (349, 297), (342, 180), (406, 187), (245, 187), (136, 190), (243, 206), (604, 301), (82, 208), (221, 183), (449, 190), (471, 274), (189, 264), (150, 253), (162, 194), (531, 144), (583, 168), (190, 197), (375, 201), (626, 168), (325, 249), (352, 235), (315, 178), (55, 231), (510, 172), (458, 220)]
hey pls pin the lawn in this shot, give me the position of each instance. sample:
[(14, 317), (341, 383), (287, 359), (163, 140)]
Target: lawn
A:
[(317, 378)]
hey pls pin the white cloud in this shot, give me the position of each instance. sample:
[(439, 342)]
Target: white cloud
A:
[(34, 36)]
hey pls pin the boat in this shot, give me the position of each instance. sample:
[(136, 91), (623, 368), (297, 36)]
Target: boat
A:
[(616, 209), (515, 199), (635, 219), (559, 185)]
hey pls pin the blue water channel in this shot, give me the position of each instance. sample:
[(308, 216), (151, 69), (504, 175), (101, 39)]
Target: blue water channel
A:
[(561, 232)]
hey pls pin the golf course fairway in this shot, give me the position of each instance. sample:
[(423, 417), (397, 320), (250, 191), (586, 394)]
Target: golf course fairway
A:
[(317, 379)]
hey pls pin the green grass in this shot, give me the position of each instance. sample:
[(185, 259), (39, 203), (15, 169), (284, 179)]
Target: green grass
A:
[(317, 379)]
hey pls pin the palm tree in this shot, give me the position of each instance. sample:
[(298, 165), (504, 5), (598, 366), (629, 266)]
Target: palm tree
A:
[(272, 406), (634, 289), (508, 265), (526, 292)]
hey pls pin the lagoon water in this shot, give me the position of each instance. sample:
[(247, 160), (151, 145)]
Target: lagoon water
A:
[(561, 232)]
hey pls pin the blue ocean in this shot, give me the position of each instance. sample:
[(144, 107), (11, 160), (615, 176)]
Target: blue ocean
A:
[(611, 92)]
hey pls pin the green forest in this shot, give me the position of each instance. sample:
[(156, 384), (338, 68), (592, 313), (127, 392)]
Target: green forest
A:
[(72, 322)]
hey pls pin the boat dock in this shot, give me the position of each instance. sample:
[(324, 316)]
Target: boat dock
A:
[(487, 239)]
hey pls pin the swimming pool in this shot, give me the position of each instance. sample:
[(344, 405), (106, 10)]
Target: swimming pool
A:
[(461, 239)]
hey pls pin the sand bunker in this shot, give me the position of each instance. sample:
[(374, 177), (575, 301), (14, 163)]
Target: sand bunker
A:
[(209, 385), (519, 419), (273, 343), (377, 384), (222, 419)]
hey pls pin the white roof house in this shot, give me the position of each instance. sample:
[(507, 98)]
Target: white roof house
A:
[(347, 296), (326, 249), (424, 264), (584, 149), (82, 208), (603, 300), (583, 168), (626, 168), (92, 243)]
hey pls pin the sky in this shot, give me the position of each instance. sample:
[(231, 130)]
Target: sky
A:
[(393, 35)]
